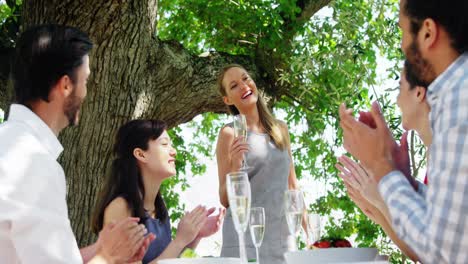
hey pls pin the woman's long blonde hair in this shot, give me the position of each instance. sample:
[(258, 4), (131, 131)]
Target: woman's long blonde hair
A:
[(271, 125)]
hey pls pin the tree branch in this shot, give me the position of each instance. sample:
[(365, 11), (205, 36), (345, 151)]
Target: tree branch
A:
[(309, 8), (186, 84), (270, 60)]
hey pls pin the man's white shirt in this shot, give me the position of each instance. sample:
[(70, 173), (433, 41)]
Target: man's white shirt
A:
[(34, 223)]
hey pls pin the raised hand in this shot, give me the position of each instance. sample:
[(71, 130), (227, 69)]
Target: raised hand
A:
[(366, 118), (190, 225), (354, 175), (237, 150), (142, 251), (123, 241), (400, 152), (367, 208), (373, 147), (402, 160), (213, 223)]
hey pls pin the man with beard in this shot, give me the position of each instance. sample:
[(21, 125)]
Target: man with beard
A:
[(49, 74), (432, 220)]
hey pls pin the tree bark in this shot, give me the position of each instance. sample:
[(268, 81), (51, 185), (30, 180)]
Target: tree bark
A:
[(133, 75), (6, 91)]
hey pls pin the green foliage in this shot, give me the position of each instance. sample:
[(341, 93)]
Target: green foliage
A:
[(9, 22), (168, 188), (204, 130), (334, 60), (234, 26)]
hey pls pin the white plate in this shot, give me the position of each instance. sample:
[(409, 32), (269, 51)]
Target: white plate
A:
[(332, 255), (200, 261)]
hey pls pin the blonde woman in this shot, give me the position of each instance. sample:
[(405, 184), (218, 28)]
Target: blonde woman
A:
[(270, 166)]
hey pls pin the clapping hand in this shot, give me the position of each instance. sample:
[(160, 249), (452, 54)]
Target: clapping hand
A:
[(370, 141), (367, 208), (190, 225), (363, 183), (123, 241), (213, 223)]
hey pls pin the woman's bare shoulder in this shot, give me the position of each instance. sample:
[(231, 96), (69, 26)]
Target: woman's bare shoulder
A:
[(116, 210)]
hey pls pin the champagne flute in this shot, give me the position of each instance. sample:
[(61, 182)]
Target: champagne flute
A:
[(313, 228), (240, 130), (294, 208), (238, 190), (257, 228)]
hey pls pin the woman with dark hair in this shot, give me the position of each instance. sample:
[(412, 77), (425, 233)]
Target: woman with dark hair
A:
[(362, 188), (271, 168), (144, 157)]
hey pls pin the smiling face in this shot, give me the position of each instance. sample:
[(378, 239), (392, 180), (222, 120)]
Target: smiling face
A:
[(240, 89), (159, 158), (413, 105)]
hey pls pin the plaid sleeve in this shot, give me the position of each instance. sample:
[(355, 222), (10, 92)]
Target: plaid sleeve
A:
[(434, 220), (422, 189), (407, 209)]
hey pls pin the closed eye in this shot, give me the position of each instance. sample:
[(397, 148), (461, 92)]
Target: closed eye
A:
[(167, 143)]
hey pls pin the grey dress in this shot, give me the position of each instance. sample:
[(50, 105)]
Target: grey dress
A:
[(268, 174)]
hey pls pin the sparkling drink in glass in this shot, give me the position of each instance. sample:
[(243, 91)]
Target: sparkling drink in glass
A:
[(257, 228), (240, 130), (294, 207), (238, 190)]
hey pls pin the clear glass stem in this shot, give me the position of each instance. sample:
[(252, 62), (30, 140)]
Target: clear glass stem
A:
[(258, 257), (294, 243), (242, 252), (244, 163)]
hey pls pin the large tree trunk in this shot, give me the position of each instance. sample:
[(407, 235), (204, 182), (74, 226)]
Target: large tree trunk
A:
[(133, 75), (6, 91)]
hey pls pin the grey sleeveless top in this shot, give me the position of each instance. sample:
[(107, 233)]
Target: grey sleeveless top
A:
[(268, 174)]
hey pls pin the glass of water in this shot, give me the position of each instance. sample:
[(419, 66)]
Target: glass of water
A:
[(257, 228), (240, 130), (238, 190), (294, 208)]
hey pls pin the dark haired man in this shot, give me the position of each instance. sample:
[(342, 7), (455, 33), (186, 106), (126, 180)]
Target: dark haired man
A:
[(433, 221), (49, 74)]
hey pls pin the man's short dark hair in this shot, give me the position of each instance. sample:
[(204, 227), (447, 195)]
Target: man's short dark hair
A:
[(44, 54), (452, 15)]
